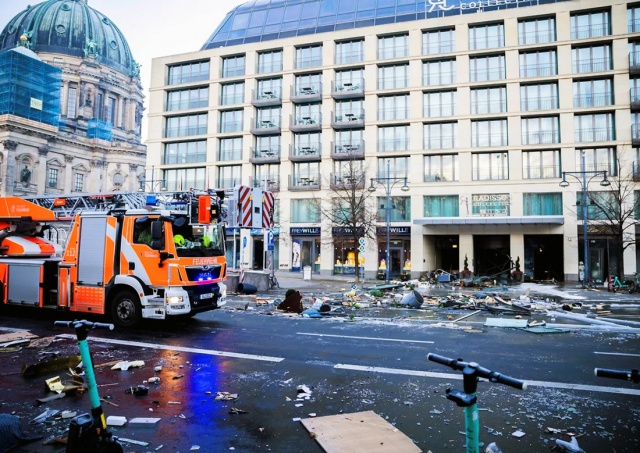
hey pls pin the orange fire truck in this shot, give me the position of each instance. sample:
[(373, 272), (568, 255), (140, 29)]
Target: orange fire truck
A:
[(125, 262)]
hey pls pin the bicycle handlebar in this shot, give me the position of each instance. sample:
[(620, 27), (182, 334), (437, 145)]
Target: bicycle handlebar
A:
[(91, 325), (493, 376), (625, 375)]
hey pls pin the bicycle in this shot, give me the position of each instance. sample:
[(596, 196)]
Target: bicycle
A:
[(88, 432), (467, 399), (273, 282)]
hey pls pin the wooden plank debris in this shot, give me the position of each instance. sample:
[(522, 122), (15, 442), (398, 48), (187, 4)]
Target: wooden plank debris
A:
[(356, 432)]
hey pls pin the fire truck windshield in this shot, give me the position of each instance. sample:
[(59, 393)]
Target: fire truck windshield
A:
[(198, 240)]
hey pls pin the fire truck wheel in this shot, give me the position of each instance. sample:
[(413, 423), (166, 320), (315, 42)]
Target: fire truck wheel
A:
[(125, 309)]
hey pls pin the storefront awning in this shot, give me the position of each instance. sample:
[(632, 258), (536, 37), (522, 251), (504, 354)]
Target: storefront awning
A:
[(528, 220)]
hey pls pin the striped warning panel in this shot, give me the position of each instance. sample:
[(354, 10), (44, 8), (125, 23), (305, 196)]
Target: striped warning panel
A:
[(267, 206), (244, 206)]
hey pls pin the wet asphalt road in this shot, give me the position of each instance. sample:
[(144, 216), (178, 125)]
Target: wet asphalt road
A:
[(264, 357)]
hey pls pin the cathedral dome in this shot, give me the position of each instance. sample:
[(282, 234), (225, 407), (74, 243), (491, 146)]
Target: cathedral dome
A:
[(70, 27)]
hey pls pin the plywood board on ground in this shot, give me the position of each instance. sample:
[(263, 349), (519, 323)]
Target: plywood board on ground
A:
[(19, 335), (357, 432)]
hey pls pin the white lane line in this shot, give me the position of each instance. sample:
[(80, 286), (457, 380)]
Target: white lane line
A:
[(451, 376), (617, 353), (365, 338), (139, 344)]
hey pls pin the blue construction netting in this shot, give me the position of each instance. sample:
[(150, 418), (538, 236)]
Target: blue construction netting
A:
[(99, 129), (29, 88)]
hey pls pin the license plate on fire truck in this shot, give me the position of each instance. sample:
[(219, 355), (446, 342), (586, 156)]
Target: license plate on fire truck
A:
[(206, 296)]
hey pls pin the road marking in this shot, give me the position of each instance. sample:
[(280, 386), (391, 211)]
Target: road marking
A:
[(451, 376), (617, 353), (236, 355), (365, 338)]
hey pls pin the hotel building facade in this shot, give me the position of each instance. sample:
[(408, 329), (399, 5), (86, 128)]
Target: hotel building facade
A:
[(481, 106)]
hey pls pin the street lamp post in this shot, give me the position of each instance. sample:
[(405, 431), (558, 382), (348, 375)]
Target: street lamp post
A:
[(151, 186), (388, 183), (584, 184)]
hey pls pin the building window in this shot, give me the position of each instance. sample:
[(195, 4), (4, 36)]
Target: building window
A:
[(352, 79), (536, 31), (489, 133), (229, 176), (267, 175), (72, 99), (487, 68), (269, 116), (390, 77), (540, 130), (231, 120), (232, 93), (488, 100), (350, 110), (393, 138), (440, 103), (395, 46), (233, 66), (441, 167), (229, 149), (441, 135), (393, 107), (350, 51), (592, 93), (538, 64), (440, 72), (486, 36), (591, 58), (308, 84), (597, 127), (598, 159), (490, 166), (307, 114), (78, 182), (438, 41), (398, 167), (52, 178), (188, 99), (633, 19), (185, 179), (187, 73), (441, 206), (599, 200), (185, 152), (541, 164), (590, 25), (111, 111), (305, 211), (306, 173), (540, 96), (270, 88), (349, 141), (399, 210), (99, 105), (268, 144), (308, 56), (542, 204), (182, 126), (270, 61), (311, 141)]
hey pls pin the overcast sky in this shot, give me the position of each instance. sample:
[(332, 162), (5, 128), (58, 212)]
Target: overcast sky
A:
[(153, 28)]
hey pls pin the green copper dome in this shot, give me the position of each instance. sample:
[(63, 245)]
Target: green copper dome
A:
[(70, 27)]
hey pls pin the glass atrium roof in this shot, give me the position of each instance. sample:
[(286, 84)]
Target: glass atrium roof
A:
[(265, 20)]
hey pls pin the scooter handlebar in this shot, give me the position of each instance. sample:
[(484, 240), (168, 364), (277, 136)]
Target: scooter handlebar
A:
[(625, 375), (91, 325), (493, 376)]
